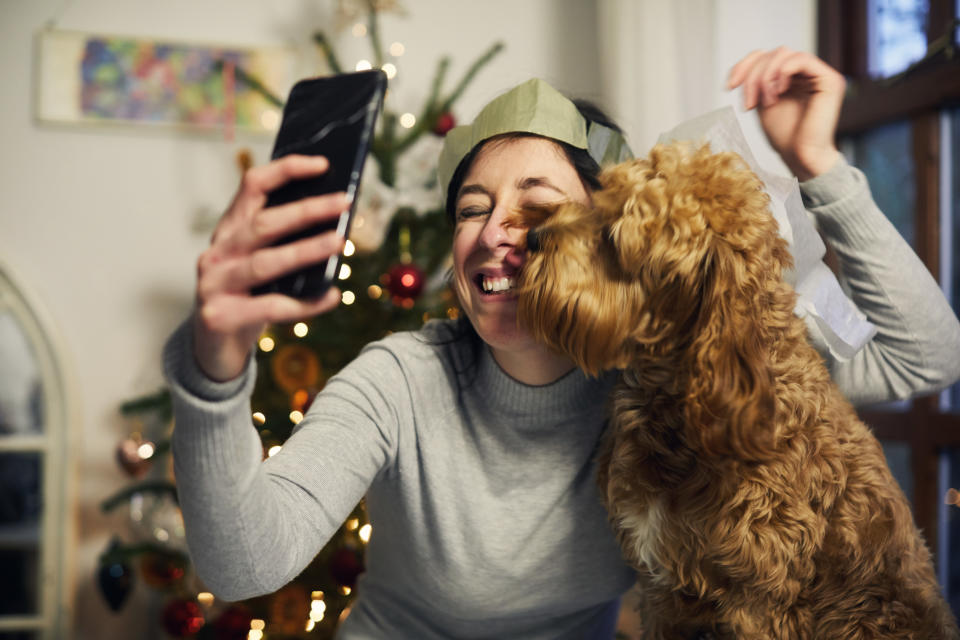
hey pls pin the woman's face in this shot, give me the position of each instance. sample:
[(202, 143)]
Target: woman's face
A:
[(506, 175)]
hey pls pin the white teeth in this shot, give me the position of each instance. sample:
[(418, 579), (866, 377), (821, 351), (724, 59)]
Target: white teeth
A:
[(498, 285)]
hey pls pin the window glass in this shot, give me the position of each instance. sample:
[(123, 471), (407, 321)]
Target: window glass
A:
[(20, 507), (21, 399), (898, 459), (885, 155), (897, 31), (949, 526)]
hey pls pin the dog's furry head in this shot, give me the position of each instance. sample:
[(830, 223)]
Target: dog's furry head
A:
[(674, 274)]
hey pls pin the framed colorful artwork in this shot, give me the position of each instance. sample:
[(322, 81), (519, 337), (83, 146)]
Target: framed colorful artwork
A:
[(89, 78)]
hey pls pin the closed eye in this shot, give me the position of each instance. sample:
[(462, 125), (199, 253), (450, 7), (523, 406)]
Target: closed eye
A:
[(472, 212)]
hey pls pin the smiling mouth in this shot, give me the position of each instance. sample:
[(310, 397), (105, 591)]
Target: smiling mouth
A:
[(496, 285)]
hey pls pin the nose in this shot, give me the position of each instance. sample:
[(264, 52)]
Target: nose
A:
[(497, 232)]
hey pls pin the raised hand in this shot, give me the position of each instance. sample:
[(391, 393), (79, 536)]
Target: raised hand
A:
[(798, 98), (227, 318)]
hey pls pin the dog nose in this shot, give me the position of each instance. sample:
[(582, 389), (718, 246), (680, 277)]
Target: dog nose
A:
[(533, 240)]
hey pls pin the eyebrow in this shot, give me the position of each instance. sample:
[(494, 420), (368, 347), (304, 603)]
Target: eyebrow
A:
[(530, 183), (524, 184)]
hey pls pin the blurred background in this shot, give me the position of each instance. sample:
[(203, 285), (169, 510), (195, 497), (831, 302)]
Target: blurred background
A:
[(106, 206)]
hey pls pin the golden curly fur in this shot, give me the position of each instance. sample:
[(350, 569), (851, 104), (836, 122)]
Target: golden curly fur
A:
[(744, 490)]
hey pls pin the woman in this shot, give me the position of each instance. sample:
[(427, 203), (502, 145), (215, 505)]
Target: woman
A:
[(474, 448)]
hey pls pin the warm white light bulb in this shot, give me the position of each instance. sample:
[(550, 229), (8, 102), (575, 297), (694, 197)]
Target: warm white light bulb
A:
[(267, 344), (396, 49), (364, 65), (300, 329), (348, 297), (345, 271), (407, 120), (390, 69), (348, 249), (270, 119)]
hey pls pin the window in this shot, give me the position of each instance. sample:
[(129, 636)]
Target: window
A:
[(32, 474), (901, 125)]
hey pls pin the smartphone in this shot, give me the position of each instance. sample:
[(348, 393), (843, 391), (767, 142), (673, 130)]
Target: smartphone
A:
[(332, 116)]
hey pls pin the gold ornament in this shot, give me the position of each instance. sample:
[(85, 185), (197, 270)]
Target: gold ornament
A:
[(294, 367), (289, 608)]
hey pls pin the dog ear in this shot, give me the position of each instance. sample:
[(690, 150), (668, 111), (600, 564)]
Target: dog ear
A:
[(577, 314), (631, 201), (731, 399)]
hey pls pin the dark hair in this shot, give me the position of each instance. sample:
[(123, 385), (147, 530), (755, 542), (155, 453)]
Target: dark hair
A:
[(584, 164)]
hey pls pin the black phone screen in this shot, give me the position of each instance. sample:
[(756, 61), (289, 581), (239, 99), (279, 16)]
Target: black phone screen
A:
[(334, 117)]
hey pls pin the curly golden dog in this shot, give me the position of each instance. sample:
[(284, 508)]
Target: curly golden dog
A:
[(744, 490)]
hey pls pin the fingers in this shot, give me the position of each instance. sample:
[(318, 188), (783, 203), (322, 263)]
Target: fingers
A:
[(238, 274), (756, 72), (739, 71), (226, 314), (260, 181), (265, 226), (766, 75), (821, 76), (773, 80)]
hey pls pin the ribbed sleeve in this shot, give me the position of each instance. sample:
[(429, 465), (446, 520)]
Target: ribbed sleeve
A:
[(917, 346)]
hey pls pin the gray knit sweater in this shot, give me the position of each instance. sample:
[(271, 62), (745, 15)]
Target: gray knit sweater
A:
[(480, 489)]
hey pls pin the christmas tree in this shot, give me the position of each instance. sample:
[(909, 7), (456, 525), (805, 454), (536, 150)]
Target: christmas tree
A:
[(394, 278)]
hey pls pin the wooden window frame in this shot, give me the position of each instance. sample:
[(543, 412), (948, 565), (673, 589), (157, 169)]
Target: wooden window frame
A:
[(918, 96)]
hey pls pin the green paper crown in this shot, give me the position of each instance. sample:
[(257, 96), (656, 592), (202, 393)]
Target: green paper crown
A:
[(532, 107)]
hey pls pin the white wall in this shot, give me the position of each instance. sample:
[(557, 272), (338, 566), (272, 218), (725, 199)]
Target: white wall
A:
[(666, 62), (97, 221)]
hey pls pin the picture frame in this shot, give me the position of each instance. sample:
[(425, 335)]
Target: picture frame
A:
[(99, 79)]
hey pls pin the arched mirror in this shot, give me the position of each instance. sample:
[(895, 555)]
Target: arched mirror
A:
[(33, 471)]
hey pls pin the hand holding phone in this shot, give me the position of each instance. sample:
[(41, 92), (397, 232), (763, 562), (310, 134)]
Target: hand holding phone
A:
[(333, 117), (242, 254), (288, 246)]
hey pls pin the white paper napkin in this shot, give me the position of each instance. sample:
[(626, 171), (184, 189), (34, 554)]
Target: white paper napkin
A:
[(834, 322)]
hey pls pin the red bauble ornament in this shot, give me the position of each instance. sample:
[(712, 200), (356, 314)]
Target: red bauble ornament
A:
[(162, 570), (444, 123), (233, 623), (182, 617), (404, 281), (345, 565)]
